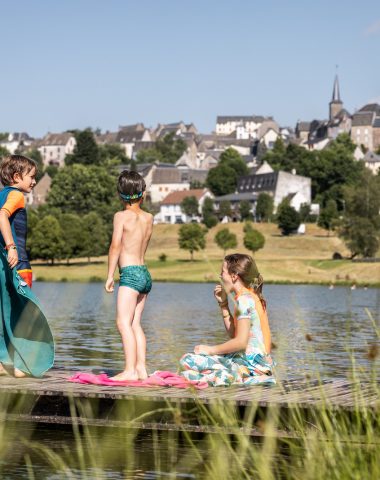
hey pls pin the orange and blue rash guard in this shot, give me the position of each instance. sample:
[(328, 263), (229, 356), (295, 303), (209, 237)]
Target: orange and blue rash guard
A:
[(13, 202)]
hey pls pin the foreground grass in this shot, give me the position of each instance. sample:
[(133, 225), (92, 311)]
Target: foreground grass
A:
[(295, 259)]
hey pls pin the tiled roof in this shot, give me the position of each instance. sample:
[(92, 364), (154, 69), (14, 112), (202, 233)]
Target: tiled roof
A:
[(239, 118), (371, 107), (129, 136), (258, 183), (362, 119), (56, 138), (167, 175), (175, 198)]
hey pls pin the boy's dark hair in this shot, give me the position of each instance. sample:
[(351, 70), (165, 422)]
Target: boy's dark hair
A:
[(130, 186), (12, 164)]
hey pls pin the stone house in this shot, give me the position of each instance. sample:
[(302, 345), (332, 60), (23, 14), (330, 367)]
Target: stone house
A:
[(170, 208), (162, 179), (365, 128), (55, 146)]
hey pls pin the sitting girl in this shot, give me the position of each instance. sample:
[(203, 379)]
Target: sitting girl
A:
[(245, 358)]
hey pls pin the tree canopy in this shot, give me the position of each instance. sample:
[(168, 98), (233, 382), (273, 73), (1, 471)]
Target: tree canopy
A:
[(192, 237), (225, 239)]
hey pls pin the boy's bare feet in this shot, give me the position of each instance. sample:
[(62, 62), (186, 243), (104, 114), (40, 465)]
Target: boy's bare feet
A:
[(142, 373), (2, 370), (124, 376), (19, 373)]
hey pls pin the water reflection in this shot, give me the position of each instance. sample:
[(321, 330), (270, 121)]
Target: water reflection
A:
[(179, 316)]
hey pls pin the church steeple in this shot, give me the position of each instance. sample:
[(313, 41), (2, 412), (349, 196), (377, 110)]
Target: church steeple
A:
[(336, 103), (336, 94)]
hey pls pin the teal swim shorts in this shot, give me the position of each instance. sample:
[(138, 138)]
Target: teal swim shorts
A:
[(136, 277)]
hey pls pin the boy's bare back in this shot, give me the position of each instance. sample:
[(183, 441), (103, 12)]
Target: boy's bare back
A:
[(136, 226)]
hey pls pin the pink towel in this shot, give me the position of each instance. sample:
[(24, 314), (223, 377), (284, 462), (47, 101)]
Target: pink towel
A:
[(157, 379)]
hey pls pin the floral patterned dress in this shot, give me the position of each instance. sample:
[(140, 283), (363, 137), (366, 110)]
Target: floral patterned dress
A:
[(251, 367)]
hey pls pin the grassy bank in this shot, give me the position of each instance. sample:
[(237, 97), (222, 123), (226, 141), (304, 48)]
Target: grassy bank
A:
[(295, 259)]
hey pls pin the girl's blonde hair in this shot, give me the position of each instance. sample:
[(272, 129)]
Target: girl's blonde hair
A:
[(245, 267)]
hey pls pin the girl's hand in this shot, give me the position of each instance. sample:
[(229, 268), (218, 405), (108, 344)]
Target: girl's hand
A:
[(12, 257), (110, 285), (205, 349), (220, 294)]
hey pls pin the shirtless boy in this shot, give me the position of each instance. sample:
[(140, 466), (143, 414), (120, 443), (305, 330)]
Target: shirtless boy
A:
[(132, 230)]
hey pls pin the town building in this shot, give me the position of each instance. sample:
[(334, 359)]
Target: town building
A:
[(365, 128), (55, 146), (279, 185), (17, 141), (170, 208)]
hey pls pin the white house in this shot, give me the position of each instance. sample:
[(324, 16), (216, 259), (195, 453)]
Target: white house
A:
[(16, 141), (245, 126), (55, 146), (372, 161), (170, 209)]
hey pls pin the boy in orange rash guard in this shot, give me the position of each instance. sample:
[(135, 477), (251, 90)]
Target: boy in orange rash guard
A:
[(17, 173)]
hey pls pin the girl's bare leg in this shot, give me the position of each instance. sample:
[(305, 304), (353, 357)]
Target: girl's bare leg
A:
[(140, 337), (126, 304)]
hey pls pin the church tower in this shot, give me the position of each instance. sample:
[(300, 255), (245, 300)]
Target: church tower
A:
[(336, 103)]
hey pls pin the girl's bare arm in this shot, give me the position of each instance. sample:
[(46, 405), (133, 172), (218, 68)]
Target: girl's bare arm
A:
[(236, 344)]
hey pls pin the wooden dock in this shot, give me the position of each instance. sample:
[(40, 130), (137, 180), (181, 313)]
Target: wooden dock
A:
[(53, 399)]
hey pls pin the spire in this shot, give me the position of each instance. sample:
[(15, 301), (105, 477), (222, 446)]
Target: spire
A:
[(336, 94)]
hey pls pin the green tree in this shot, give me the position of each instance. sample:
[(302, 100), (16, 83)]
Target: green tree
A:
[(328, 215), (113, 154), (208, 213), (233, 159), (225, 240), (167, 149), (254, 240), (222, 180), (86, 151), (361, 237), (81, 189), (361, 223), (225, 209), (3, 152), (245, 210), (304, 212), (51, 170), (247, 227), (288, 219), (192, 237), (264, 207), (47, 239), (74, 235), (95, 234), (190, 206)]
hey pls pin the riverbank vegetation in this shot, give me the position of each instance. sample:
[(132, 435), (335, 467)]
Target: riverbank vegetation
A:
[(292, 259)]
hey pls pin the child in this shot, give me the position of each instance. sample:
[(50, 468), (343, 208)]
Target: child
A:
[(26, 342), (18, 175), (131, 234), (245, 358)]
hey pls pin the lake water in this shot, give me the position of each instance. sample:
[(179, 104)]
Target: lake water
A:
[(178, 316)]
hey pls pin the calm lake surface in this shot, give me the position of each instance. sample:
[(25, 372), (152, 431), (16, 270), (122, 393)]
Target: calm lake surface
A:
[(178, 316)]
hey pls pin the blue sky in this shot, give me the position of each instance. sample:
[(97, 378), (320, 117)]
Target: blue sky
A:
[(79, 63)]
